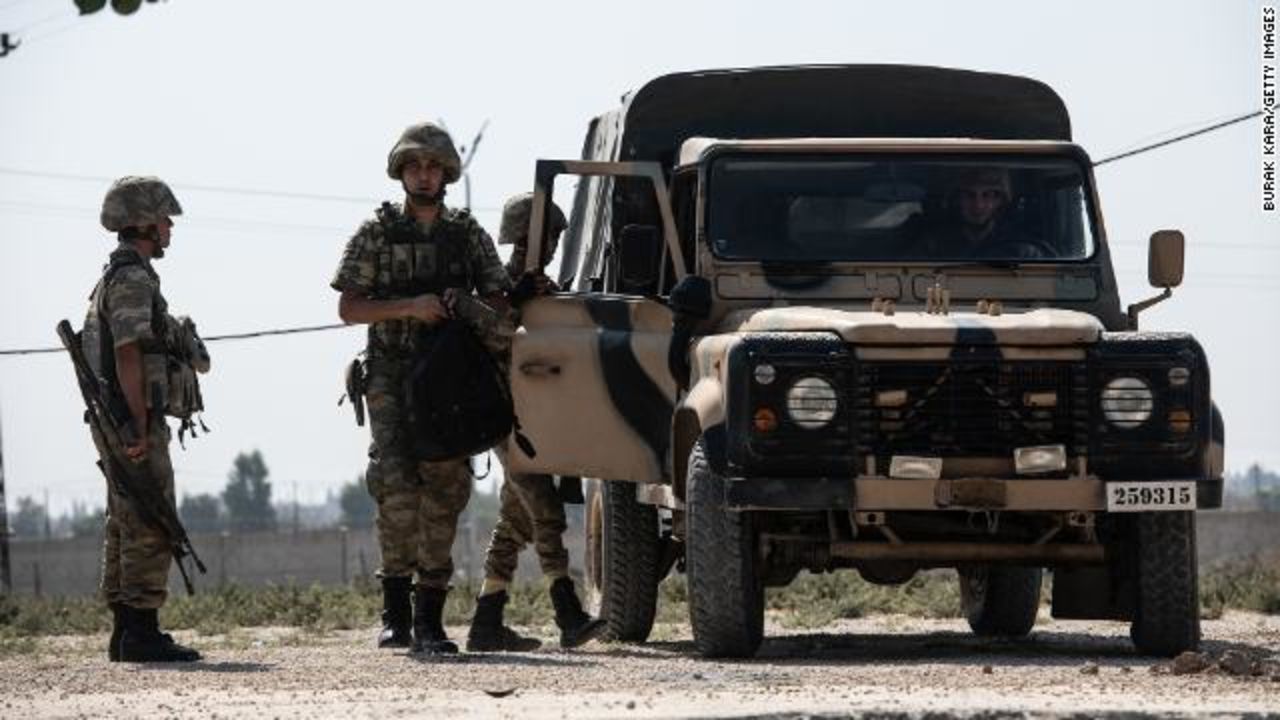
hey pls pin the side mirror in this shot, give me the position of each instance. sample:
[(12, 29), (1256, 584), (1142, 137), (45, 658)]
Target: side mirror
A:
[(639, 255), (1165, 258)]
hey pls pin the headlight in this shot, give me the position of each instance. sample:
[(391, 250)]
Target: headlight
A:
[(1127, 402), (811, 402)]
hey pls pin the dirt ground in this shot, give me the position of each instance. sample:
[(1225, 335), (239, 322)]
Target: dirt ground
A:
[(884, 667)]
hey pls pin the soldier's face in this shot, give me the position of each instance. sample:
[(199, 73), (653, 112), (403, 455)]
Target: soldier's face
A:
[(161, 236), (979, 203), (422, 177)]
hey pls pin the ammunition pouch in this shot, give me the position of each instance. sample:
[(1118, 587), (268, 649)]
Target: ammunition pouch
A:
[(356, 382), (185, 357)]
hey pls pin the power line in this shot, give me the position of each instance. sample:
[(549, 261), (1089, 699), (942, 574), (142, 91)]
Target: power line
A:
[(339, 198), (37, 23), (212, 338), (224, 189), (1178, 138)]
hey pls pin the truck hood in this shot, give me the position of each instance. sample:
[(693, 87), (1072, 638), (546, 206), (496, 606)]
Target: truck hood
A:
[(1033, 328)]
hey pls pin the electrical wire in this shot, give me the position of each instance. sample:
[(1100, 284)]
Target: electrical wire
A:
[(338, 198), (1177, 139), (212, 338)]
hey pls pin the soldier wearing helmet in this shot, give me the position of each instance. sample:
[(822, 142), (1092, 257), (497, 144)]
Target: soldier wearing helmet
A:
[(531, 510), (981, 225), (126, 341), (404, 270)]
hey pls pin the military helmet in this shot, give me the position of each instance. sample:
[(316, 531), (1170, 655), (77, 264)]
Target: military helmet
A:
[(515, 220), (137, 201), (425, 139)]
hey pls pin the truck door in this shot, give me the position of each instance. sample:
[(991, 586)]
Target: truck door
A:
[(589, 375)]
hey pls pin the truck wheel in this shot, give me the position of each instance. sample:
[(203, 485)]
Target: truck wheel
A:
[(1000, 601), (622, 558), (1166, 618), (726, 598)]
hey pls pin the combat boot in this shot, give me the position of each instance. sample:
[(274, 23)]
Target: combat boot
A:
[(397, 613), (117, 626), (576, 626), (488, 634), (142, 641), (428, 622)]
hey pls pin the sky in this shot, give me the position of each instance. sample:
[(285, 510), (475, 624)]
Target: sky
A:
[(302, 97)]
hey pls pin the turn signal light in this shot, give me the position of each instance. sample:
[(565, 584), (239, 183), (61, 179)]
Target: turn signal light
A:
[(1180, 421), (765, 420)]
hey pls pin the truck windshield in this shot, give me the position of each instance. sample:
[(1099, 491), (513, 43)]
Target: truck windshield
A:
[(824, 208)]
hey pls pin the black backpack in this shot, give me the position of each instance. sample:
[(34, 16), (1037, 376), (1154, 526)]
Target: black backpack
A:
[(458, 402)]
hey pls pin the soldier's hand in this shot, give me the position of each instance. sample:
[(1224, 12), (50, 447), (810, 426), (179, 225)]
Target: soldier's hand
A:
[(543, 284), (429, 309), (137, 452)]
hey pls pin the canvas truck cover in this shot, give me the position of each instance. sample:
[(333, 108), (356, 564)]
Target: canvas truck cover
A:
[(874, 101)]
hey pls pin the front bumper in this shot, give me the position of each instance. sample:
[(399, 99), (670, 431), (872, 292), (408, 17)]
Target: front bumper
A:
[(881, 493)]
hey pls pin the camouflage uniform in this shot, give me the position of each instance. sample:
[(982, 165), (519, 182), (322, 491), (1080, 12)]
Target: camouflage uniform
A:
[(531, 509), (136, 556), (418, 502), (127, 308)]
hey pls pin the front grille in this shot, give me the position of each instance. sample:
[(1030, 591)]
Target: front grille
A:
[(969, 407)]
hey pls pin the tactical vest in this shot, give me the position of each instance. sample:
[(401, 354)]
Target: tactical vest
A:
[(411, 262), (170, 385)]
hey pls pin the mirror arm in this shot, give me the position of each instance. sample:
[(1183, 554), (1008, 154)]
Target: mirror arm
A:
[(1138, 307)]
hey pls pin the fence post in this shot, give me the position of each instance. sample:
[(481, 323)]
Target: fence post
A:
[(222, 558), (342, 533)]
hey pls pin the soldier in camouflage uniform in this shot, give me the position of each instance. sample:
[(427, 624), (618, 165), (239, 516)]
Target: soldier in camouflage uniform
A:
[(124, 341), (531, 509), (402, 270)]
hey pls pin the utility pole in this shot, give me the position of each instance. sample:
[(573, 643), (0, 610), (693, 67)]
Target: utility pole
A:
[(6, 576), (468, 153)]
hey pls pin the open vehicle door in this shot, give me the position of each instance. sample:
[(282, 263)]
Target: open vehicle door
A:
[(589, 374)]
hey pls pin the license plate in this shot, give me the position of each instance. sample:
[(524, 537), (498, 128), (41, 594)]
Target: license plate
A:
[(1147, 496)]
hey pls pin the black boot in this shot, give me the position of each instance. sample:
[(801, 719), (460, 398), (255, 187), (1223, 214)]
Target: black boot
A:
[(488, 634), (117, 627), (576, 626), (428, 622), (397, 613), (142, 641)]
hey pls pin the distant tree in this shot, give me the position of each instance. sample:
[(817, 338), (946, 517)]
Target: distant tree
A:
[(201, 513), (357, 504), (247, 496), (29, 520), (85, 522)]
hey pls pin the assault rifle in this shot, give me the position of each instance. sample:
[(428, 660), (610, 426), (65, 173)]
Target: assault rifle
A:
[(110, 420)]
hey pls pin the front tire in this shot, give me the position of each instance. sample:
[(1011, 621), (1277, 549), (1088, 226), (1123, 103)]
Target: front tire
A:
[(1166, 618), (1001, 601), (622, 559), (726, 597)]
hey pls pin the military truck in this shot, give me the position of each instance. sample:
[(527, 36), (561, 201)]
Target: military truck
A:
[(863, 317)]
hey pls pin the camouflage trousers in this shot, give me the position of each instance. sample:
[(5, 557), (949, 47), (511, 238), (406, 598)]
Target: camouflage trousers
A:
[(418, 503), (530, 511), (135, 555)]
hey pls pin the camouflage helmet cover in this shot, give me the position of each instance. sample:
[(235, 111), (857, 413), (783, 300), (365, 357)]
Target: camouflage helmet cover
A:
[(138, 201), (426, 139), (516, 213)]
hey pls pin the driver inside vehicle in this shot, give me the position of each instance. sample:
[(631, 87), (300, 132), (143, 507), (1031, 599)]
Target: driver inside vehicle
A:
[(979, 221)]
